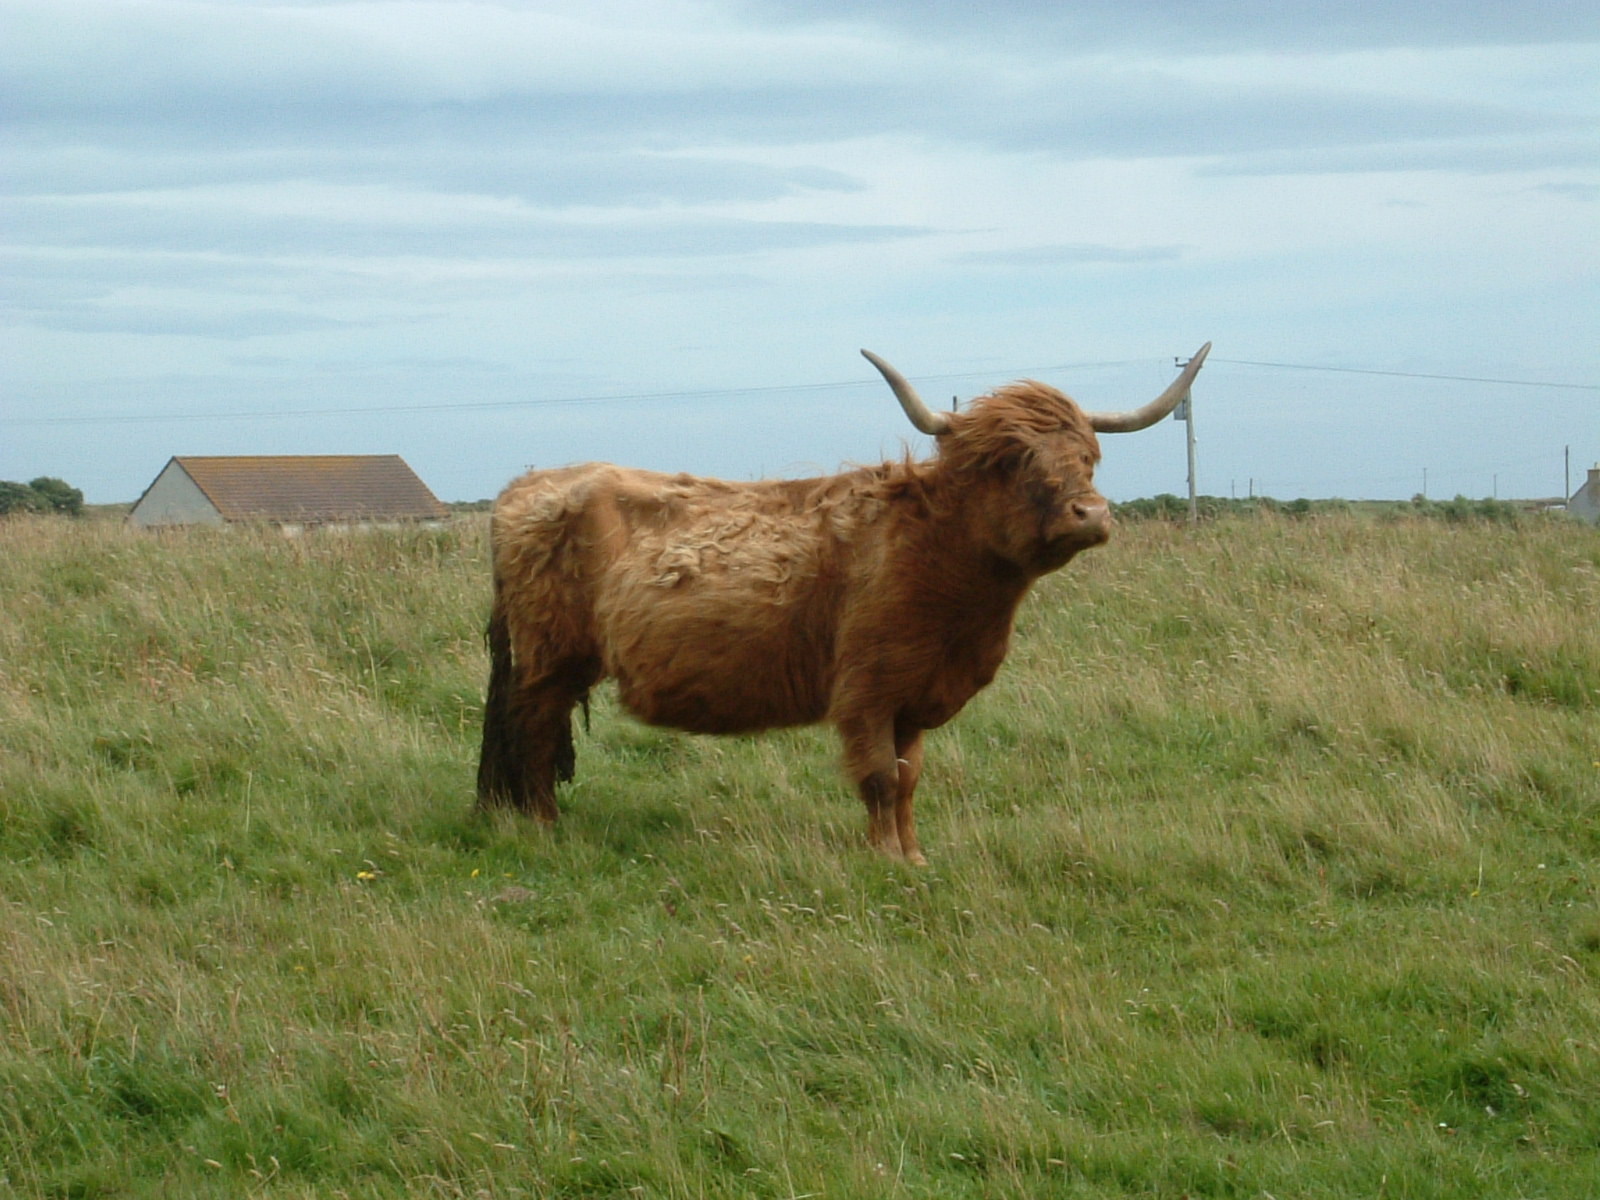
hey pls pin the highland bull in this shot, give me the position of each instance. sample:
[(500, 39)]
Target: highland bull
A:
[(879, 600)]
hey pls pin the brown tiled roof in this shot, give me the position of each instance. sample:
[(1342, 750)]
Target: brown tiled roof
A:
[(313, 488)]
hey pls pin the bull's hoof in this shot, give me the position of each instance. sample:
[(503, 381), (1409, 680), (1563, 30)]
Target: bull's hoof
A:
[(541, 809), (544, 812), (890, 847)]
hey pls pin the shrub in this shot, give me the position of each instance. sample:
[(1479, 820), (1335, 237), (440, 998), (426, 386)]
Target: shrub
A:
[(45, 494)]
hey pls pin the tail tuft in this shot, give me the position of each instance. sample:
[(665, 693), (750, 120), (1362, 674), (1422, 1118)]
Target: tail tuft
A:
[(497, 765)]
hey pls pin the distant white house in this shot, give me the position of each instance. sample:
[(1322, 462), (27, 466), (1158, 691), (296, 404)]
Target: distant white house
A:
[(1585, 502), (293, 492)]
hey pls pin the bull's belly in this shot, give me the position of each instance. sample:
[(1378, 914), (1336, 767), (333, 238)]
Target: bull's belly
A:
[(718, 686)]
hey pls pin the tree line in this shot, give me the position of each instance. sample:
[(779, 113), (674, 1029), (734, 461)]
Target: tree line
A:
[(1168, 507), (45, 494)]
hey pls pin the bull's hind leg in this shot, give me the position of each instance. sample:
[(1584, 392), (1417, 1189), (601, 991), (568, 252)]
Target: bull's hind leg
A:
[(532, 751), (527, 730)]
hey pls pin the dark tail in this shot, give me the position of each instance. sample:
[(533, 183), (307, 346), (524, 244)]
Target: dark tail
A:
[(527, 728), (498, 769)]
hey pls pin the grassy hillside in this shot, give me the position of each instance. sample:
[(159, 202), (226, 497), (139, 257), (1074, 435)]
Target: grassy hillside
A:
[(1268, 866)]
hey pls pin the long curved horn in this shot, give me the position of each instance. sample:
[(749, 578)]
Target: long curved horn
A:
[(1142, 418), (921, 415)]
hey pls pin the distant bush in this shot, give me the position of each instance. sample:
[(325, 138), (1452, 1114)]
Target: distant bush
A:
[(1462, 510), (42, 495), (1167, 507), (17, 497)]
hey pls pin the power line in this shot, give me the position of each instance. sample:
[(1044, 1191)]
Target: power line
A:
[(722, 393), (530, 402), (1245, 362), (456, 406)]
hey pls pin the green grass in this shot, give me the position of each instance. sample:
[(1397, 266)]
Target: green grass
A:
[(1268, 867)]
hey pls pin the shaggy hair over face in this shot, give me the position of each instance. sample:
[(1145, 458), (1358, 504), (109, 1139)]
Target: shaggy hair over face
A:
[(997, 429)]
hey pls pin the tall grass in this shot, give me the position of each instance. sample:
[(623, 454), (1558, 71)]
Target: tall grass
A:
[(1269, 866)]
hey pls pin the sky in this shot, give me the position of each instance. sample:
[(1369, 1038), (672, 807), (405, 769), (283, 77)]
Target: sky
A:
[(498, 235)]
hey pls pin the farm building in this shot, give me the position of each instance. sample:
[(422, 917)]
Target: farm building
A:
[(294, 492), (1585, 502)]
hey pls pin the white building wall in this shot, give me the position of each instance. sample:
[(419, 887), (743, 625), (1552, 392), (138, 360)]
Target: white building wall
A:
[(1585, 502), (174, 499)]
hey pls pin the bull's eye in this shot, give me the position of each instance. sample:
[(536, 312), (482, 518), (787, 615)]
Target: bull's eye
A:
[(1044, 496)]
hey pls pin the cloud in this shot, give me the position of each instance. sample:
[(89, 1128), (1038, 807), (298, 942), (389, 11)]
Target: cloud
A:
[(1483, 155), (271, 61), (378, 221), (1585, 193), (1087, 26), (559, 108), (1076, 254), (538, 172), (149, 320)]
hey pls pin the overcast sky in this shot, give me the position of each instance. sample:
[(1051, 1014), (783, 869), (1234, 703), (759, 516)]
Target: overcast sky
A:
[(492, 235)]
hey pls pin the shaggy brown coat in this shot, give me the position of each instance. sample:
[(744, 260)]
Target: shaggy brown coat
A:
[(880, 600)]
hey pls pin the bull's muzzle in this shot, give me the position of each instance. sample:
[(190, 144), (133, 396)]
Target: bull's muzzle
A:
[(1093, 518)]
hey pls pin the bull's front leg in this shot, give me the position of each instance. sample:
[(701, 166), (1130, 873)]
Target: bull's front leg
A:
[(908, 770), (885, 765)]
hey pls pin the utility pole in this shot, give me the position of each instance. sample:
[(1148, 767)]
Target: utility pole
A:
[(1185, 413)]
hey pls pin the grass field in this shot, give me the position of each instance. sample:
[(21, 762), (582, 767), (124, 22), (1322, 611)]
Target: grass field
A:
[(1268, 868)]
